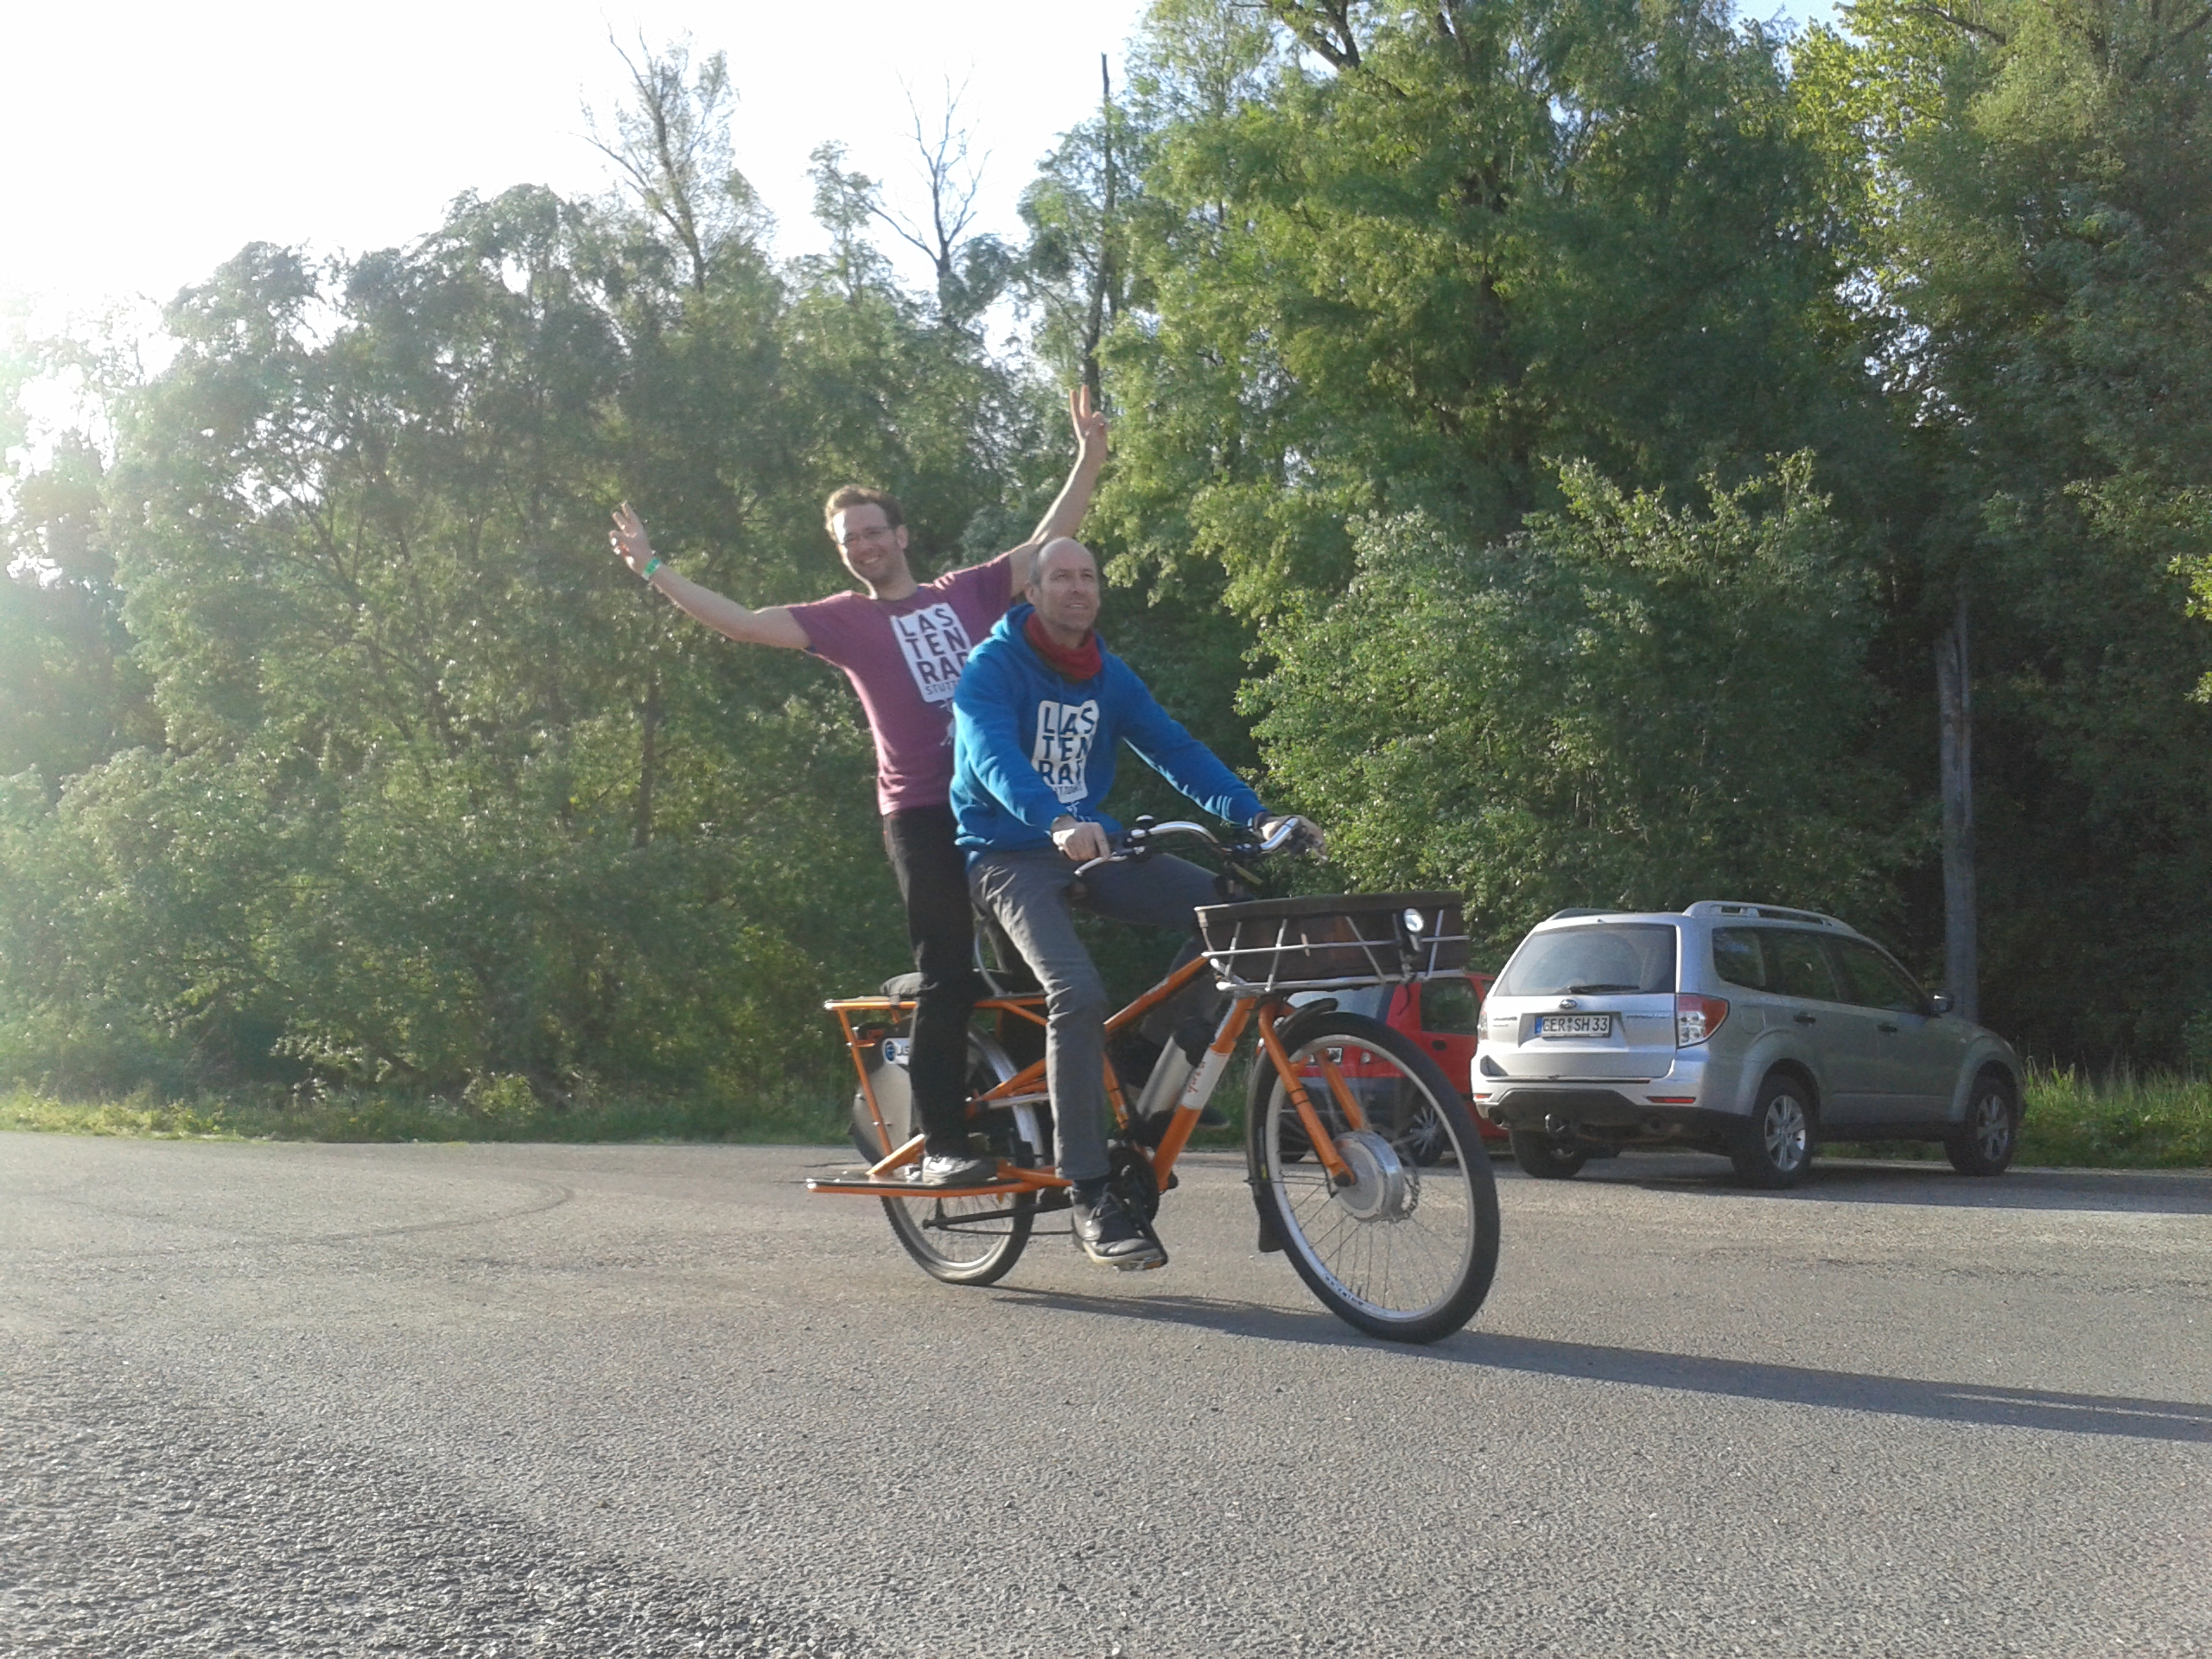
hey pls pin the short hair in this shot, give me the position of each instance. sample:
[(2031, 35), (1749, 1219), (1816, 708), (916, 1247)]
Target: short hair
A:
[(853, 496), (1037, 564)]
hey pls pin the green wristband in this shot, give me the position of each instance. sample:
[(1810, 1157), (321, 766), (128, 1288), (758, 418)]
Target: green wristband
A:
[(651, 565)]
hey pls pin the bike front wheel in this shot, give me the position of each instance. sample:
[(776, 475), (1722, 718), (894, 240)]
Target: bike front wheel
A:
[(971, 1241), (1406, 1251)]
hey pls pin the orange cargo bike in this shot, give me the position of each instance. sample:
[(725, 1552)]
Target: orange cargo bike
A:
[(1365, 1168)]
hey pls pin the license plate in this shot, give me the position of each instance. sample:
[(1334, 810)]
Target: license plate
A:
[(1574, 1025)]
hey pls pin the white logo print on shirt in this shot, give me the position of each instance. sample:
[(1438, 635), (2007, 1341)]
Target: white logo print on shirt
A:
[(1064, 735), (935, 648)]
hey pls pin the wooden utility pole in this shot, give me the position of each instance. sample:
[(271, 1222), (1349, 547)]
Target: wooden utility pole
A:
[(1954, 700), (1102, 286)]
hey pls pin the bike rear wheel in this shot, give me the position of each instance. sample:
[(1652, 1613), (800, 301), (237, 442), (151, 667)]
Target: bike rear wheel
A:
[(1406, 1252), (971, 1241)]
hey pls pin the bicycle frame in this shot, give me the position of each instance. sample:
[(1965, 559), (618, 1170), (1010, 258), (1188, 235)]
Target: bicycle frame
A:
[(1263, 1012)]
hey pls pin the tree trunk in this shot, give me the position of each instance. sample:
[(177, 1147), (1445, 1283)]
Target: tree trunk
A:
[(1954, 698), (641, 833)]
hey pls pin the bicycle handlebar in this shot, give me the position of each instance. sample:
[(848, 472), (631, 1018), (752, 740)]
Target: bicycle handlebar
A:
[(1142, 836)]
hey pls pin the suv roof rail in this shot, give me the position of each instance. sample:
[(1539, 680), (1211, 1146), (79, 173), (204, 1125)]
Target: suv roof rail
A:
[(1564, 915), (1710, 907)]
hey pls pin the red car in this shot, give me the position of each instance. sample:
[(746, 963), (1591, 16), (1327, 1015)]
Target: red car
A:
[(1442, 1017)]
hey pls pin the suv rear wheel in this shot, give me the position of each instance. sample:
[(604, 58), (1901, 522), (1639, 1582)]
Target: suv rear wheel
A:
[(1546, 1158), (1985, 1143), (1774, 1148)]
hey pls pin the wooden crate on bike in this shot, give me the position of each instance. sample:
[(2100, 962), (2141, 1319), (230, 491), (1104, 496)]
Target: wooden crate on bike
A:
[(1329, 942)]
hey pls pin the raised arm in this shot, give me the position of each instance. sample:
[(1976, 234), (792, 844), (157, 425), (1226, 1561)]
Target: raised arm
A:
[(1064, 516), (773, 627)]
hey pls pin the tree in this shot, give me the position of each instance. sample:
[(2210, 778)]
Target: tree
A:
[(672, 146), (71, 696), (1403, 254), (2037, 216), (1622, 705), (971, 271), (432, 792)]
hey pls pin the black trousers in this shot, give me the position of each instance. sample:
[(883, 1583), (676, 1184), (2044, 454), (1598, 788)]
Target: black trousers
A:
[(933, 881)]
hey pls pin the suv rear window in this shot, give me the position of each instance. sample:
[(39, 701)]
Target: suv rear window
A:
[(1610, 958)]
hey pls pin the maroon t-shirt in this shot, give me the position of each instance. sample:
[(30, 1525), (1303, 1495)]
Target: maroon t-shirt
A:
[(903, 657)]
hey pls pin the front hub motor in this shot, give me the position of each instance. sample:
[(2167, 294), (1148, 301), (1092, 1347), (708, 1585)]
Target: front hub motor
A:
[(1383, 1187)]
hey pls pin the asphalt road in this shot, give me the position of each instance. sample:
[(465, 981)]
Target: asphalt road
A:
[(277, 1400)]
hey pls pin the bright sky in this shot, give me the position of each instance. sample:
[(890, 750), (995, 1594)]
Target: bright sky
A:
[(148, 143)]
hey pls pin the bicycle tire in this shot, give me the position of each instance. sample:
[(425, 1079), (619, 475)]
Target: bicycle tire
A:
[(1408, 1251), (930, 1228)]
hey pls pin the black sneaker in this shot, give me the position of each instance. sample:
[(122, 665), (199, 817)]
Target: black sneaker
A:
[(1107, 1233), (955, 1169)]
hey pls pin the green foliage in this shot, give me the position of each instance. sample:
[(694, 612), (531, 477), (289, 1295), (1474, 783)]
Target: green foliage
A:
[(1472, 238), (337, 754), (72, 694), (1623, 705), (2035, 220), (414, 788)]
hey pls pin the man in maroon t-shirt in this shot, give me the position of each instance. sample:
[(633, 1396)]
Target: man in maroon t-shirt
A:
[(903, 643)]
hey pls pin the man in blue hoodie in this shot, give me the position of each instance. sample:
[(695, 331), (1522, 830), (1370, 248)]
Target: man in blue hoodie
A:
[(1040, 711)]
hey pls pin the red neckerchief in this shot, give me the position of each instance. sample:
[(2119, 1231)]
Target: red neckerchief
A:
[(1081, 664)]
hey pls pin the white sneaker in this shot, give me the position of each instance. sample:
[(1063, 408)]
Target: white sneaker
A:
[(937, 1169)]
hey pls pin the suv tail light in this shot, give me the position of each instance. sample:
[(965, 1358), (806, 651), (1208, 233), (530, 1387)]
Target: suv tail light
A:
[(1697, 1018)]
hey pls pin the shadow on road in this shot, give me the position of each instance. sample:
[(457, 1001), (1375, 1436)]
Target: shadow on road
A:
[(2178, 1192), (1900, 1397)]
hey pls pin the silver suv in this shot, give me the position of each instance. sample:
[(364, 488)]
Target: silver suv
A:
[(1743, 1029)]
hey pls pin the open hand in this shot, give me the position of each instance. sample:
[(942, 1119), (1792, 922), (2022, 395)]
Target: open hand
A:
[(628, 538), (1089, 423)]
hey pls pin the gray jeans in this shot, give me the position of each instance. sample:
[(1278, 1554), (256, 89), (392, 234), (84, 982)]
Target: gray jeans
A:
[(1029, 894)]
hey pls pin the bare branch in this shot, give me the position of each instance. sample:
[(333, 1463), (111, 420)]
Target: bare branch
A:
[(1964, 24), (672, 146), (1324, 25)]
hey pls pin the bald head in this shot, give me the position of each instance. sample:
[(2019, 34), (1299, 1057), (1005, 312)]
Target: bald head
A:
[(1064, 587), (1059, 550)]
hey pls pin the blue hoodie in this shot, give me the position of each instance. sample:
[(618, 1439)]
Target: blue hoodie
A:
[(1029, 746)]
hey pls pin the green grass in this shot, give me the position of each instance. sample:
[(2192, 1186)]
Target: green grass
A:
[(2118, 1122), (494, 1114), (508, 1113), (2073, 1120)]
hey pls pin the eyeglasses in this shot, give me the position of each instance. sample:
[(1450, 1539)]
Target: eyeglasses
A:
[(878, 533)]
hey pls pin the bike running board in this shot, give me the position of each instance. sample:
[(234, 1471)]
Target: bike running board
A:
[(861, 1184)]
